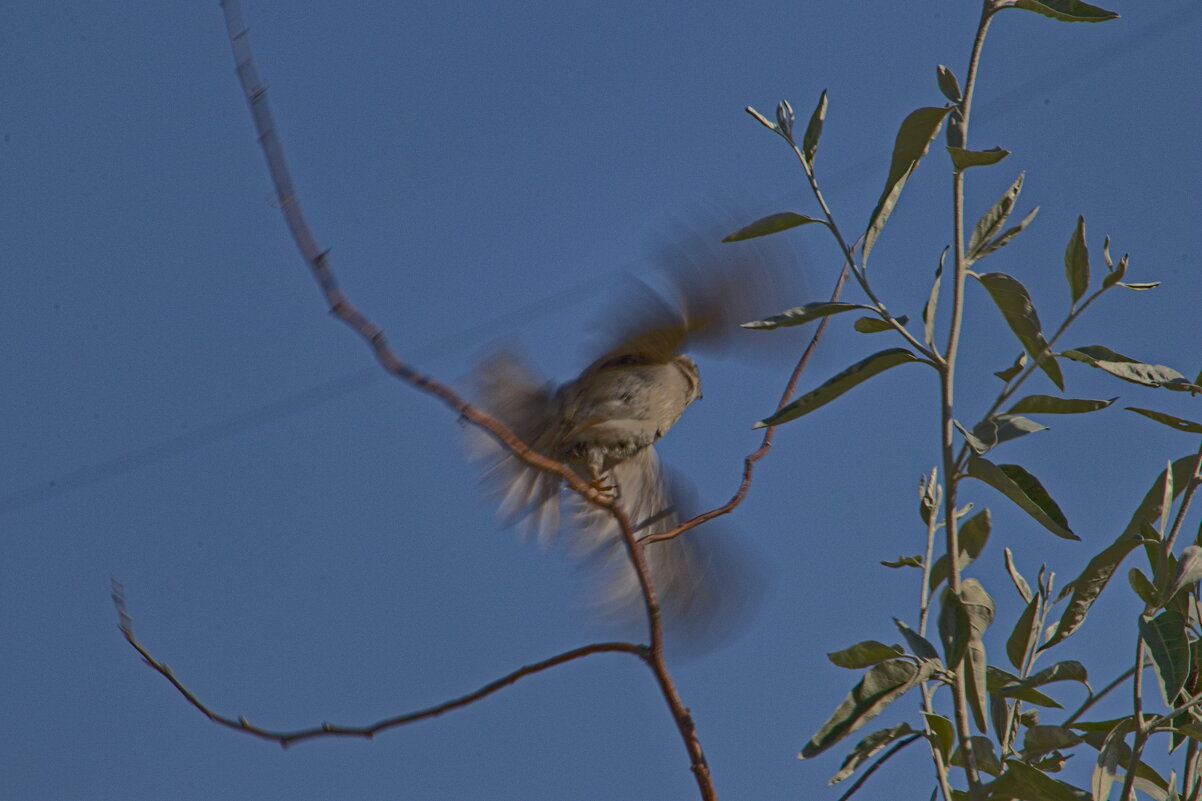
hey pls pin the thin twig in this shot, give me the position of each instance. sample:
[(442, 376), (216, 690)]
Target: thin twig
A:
[(872, 768), (766, 444), (318, 262), (286, 738)]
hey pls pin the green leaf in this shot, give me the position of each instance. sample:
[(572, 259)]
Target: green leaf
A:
[(1106, 769), (1169, 648), (875, 325), (800, 315), (870, 745), (1093, 579), (928, 311), (1013, 369), (983, 756), (980, 610), (864, 654), (1143, 588), (905, 561), (1175, 423), (915, 135), (1048, 404), (882, 685), (973, 536), (1115, 274), (948, 83), (1151, 285), (1020, 583), (1128, 369), (992, 431), (1041, 739), (954, 629), (1015, 304), (1068, 670), (1023, 636), (920, 646), (1004, 238), (1189, 570), (1025, 490), (809, 143), (943, 731), (1076, 262), (771, 224), (963, 159), (1026, 783), (1067, 10), (858, 373), (991, 222)]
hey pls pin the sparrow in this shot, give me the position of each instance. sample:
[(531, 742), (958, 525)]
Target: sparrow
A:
[(605, 423)]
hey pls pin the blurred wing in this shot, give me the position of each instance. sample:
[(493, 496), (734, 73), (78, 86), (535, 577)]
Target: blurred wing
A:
[(712, 287), (508, 389), (702, 588)]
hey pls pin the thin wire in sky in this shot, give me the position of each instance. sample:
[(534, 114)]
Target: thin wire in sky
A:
[(340, 386)]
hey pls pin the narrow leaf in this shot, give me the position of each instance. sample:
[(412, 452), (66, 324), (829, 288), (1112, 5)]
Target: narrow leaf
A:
[(864, 654), (800, 315), (1106, 769), (1169, 648), (948, 83), (943, 731), (904, 561), (771, 224), (1027, 783), (991, 222), (1004, 238), (1041, 739), (870, 745), (858, 373), (882, 685), (992, 431), (920, 646), (1116, 273), (1175, 423), (1025, 490), (983, 756), (954, 629), (1023, 636), (1020, 583), (1015, 304), (1013, 369), (1189, 571), (980, 610), (875, 325), (928, 311), (963, 159), (1047, 404), (1137, 287), (1093, 579), (1128, 369), (1143, 588), (914, 136), (1076, 262), (1068, 670), (1067, 10), (809, 143)]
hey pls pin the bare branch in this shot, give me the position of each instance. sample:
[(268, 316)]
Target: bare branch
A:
[(286, 738)]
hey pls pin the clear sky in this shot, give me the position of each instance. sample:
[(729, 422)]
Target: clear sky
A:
[(300, 537)]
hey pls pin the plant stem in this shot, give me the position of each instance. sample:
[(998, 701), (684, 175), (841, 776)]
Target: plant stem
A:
[(947, 374)]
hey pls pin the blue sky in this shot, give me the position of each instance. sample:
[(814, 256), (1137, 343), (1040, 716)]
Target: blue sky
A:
[(300, 537)]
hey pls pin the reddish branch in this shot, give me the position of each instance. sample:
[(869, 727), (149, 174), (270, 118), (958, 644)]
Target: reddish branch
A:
[(766, 445), (286, 738)]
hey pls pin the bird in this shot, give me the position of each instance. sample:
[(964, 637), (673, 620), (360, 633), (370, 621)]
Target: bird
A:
[(606, 422)]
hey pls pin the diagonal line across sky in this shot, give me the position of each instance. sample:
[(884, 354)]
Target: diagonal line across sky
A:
[(349, 382)]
